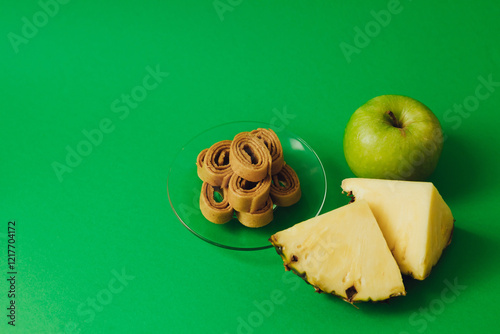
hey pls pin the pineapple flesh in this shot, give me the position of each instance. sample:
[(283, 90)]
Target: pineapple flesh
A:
[(342, 252), (415, 221)]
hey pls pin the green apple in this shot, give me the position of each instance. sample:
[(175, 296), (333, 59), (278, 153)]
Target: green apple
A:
[(393, 137)]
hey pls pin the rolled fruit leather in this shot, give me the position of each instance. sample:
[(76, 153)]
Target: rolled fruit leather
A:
[(285, 188), (214, 211), (213, 164), (258, 218), (249, 157), (248, 196), (273, 144)]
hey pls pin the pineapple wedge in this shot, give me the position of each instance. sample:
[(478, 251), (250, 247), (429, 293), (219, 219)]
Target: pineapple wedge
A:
[(342, 252), (416, 222)]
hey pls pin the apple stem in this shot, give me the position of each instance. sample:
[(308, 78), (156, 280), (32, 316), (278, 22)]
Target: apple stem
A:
[(394, 120)]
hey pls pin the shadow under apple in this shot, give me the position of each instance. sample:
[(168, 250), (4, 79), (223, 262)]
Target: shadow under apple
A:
[(457, 169)]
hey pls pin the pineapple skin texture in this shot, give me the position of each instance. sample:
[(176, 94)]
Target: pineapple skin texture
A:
[(329, 253)]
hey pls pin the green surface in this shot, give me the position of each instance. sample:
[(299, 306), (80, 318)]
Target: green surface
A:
[(98, 248)]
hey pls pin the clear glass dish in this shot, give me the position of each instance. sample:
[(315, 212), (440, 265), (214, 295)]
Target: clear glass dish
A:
[(183, 188)]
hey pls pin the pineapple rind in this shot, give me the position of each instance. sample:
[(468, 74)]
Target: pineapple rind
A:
[(303, 275), (350, 276)]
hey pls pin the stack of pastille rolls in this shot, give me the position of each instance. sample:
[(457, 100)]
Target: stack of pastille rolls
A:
[(245, 178)]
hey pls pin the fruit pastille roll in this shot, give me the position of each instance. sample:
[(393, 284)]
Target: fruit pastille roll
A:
[(258, 218), (218, 212), (213, 164), (273, 144), (249, 157), (248, 196), (285, 188), (200, 165)]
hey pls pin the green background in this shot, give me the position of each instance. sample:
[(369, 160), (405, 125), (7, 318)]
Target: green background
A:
[(278, 62)]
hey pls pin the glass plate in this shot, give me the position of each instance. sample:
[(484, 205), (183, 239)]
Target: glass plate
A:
[(183, 187)]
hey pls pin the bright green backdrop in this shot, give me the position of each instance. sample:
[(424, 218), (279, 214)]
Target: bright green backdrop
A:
[(68, 69)]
